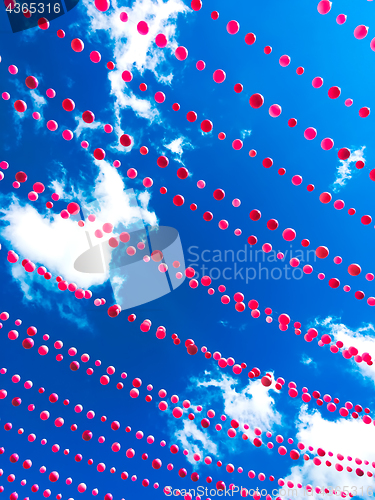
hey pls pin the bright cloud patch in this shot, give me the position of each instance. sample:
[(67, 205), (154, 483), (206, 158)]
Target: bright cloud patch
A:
[(133, 50), (349, 438), (363, 338), (344, 171), (55, 243)]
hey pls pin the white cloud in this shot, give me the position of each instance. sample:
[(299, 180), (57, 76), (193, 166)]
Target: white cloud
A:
[(362, 338), (245, 133), (117, 282), (348, 437), (177, 145), (36, 291), (58, 187), (56, 243), (252, 405), (189, 433), (24, 280), (306, 360), (144, 199), (48, 240), (116, 205), (39, 100), (344, 171), (83, 125), (133, 50), (72, 312)]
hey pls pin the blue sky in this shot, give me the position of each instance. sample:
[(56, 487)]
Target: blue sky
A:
[(324, 49)]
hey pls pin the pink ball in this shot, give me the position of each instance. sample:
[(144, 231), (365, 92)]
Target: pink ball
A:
[(317, 82), (52, 125), (237, 144), (327, 143), (161, 40), (310, 133), (95, 56), (324, 6), (233, 27), (296, 180), (219, 76), (142, 28), (200, 65), (124, 17), (102, 5), (67, 135), (360, 32), (339, 204), (284, 61), (275, 110), (159, 97), (341, 19), (127, 76), (181, 53), (32, 196)]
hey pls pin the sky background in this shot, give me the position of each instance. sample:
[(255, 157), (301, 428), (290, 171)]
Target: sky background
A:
[(324, 49)]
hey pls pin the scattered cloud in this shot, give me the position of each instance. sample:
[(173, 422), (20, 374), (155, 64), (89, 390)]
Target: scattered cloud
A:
[(363, 338), (252, 404), (245, 133), (38, 99), (37, 291), (224, 323), (25, 282), (72, 312), (56, 243), (81, 125), (135, 51), (344, 170), (227, 324), (194, 440), (350, 438), (306, 360), (177, 145)]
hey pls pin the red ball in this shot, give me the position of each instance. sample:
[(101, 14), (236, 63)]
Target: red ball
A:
[(87, 435), (114, 311), (256, 101), (125, 140), (192, 350)]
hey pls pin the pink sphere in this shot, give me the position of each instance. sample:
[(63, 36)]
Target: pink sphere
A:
[(95, 56), (284, 61), (310, 133), (181, 53), (219, 76), (142, 28), (102, 5), (275, 110), (161, 40), (233, 27), (360, 32), (324, 6)]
